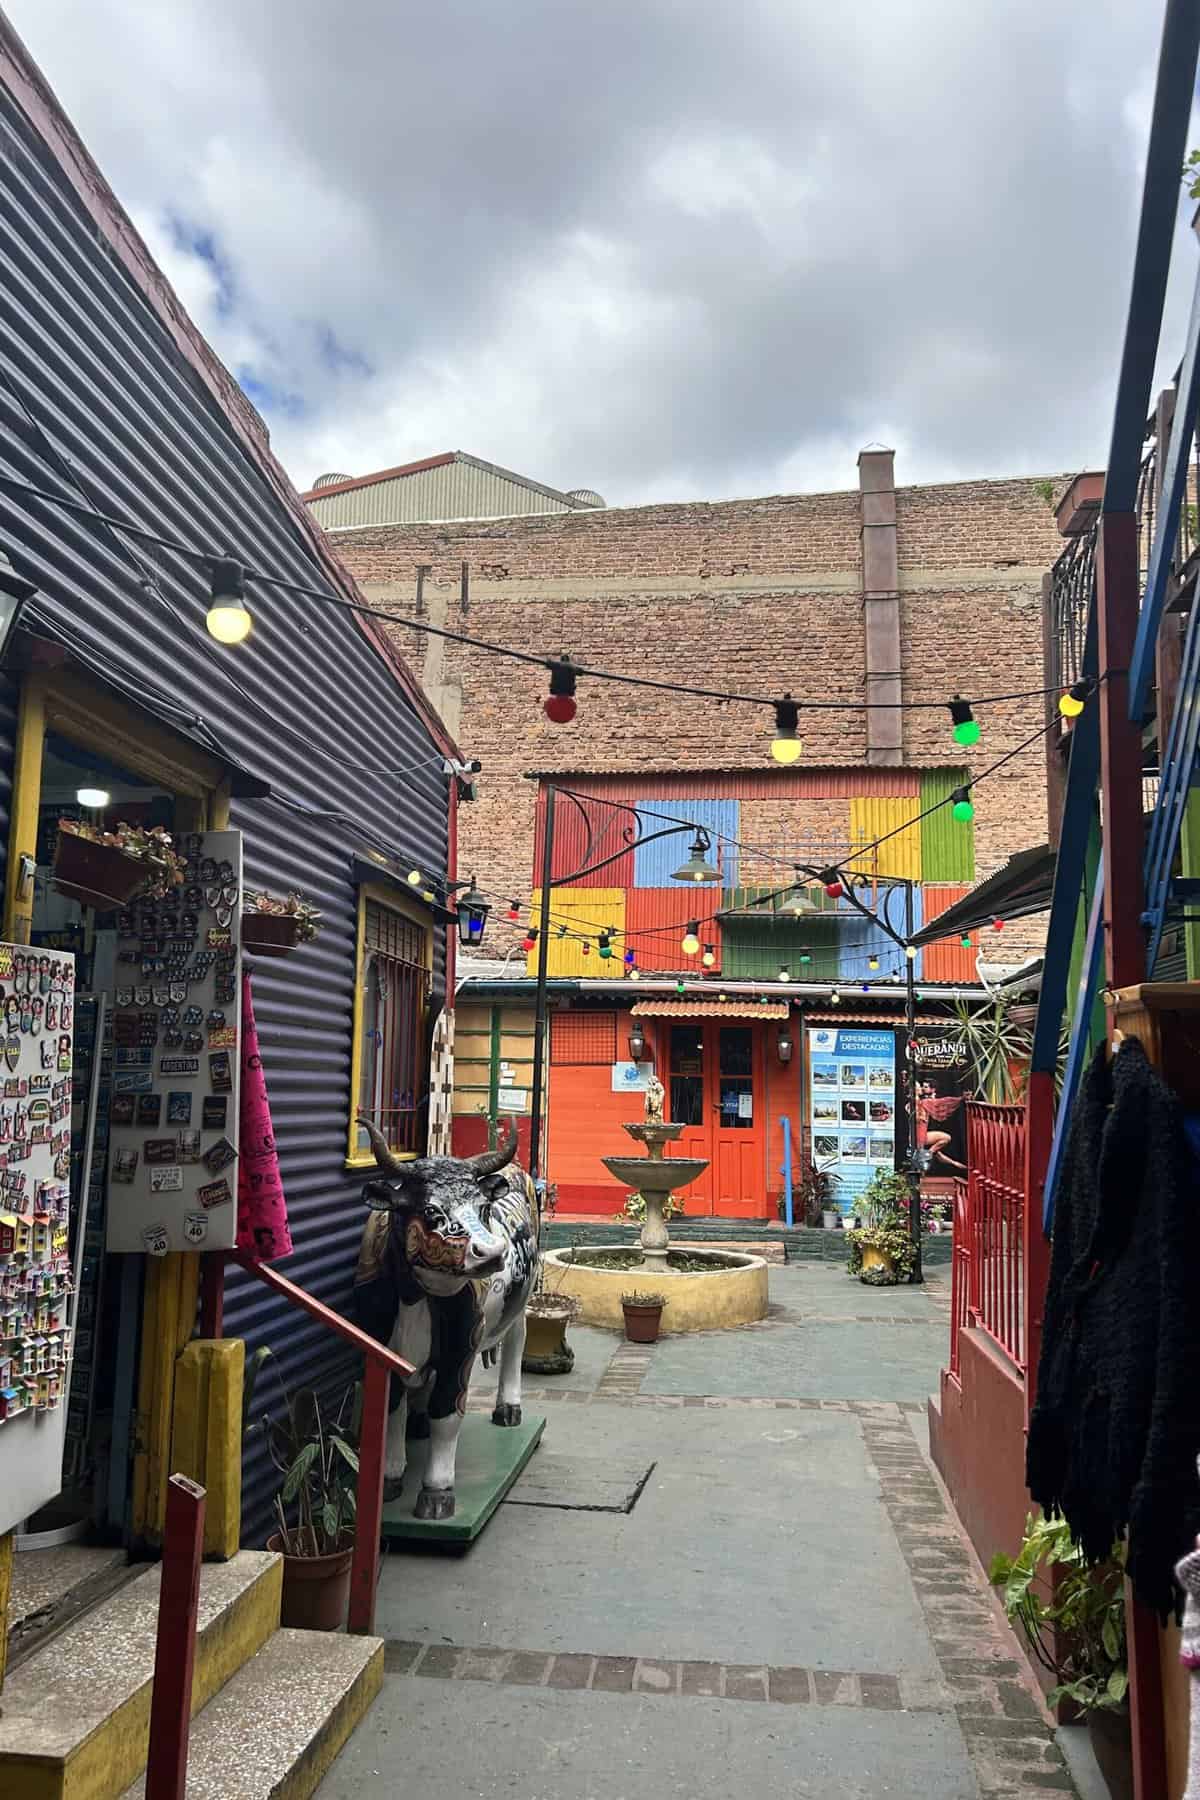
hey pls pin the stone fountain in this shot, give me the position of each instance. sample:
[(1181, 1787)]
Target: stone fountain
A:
[(655, 1176), (704, 1289)]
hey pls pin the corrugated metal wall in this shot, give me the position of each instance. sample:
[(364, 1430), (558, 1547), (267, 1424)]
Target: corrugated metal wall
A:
[(874, 817), (319, 715), (653, 863), (947, 847), (767, 783), (951, 959), (656, 919), (585, 913), (756, 949), (586, 831), (457, 490)]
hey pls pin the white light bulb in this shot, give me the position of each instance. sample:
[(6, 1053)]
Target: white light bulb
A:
[(93, 797), (229, 622)]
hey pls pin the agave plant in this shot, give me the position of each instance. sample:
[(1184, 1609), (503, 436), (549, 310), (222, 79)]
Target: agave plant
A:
[(999, 1043)]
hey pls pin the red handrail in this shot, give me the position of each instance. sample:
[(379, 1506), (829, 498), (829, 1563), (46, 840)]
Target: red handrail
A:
[(381, 1364)]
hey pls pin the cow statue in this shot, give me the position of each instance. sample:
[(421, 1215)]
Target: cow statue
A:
[(449, 1257)]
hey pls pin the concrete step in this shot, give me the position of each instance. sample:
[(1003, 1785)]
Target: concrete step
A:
[(75, 1717), (273, 1731)]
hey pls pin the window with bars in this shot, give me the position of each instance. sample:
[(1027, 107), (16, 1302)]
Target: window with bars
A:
[(577, 1037), (393, 1078)]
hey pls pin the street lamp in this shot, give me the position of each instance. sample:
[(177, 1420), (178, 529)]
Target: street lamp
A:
[(473, 912), (697, 868)]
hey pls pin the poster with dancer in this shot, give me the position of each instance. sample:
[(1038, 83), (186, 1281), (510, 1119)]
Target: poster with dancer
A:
[(942, 1071), (852, 1105)]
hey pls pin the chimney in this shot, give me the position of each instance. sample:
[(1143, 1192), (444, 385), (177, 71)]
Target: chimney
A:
[(881, 605)]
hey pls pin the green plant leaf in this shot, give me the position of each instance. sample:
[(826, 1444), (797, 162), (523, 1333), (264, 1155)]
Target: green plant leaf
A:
[(1118, 1686), (329, 1521), (253, 1369), (346, 1453), (1109, 1638), (298, 1471)]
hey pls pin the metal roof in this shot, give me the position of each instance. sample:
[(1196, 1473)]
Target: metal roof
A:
[(570, 502), (711, 1009)]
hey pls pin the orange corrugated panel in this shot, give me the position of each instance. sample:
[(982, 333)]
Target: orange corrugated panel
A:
[(753, 784), (656, 919), (947, 960), (585, 1119), (586, 831)]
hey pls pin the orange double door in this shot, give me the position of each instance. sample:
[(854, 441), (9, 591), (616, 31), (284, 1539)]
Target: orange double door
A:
[(715, 1078)]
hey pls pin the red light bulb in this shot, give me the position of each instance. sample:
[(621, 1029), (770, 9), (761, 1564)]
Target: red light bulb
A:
[(834, 889), (527, 943), (514, 910), (997, 924), (559, 708)]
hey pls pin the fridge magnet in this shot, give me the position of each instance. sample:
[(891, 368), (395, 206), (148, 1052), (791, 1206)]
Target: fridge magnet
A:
[(179, 1108), (125, 1164), (220, 1072), (166, 1180), (189, 1146), (214, 1109), (156, 1239), (149, 1109), (159, 1150), (214, 1193), (195, 1227), (219, 1156)]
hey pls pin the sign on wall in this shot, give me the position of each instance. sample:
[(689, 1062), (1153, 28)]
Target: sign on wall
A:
[(942, 1068), (177, 1016), (38, 989), (631, 1077), (852, 1105)]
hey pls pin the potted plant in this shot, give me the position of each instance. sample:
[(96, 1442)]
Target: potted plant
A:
[(272, 926), (547, 1315), (105, 869), (634, 1210), (317, 1456), (1077, 1634), (814, 1196), (881, 1250), (643, 1315)]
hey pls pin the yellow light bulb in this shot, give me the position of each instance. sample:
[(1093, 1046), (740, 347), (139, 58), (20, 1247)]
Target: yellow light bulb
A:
[(709, 959), (690, 944), (1069, 705), (786, 749), (415, 878), (229, 624)]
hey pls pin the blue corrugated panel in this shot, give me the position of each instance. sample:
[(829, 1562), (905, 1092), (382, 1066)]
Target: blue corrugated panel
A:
[(861, 938), (653, 863)]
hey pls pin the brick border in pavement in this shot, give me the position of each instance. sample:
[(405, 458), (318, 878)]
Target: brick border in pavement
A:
[(1011, 1746)]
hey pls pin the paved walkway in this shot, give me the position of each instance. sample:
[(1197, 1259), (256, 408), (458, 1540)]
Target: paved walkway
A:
[(788, 1607)]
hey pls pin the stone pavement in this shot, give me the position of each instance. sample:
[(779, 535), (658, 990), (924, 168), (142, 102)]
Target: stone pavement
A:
[(789, 1605)]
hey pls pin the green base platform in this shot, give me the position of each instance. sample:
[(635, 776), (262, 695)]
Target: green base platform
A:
[(490, 1457)]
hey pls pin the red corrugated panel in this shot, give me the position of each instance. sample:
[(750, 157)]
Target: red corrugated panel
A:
[(610, 831), (948, 960), (752, 784), (656, 919)]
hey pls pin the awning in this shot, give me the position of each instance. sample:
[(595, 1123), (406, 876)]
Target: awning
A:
[(711, 1009), (1023, 886)]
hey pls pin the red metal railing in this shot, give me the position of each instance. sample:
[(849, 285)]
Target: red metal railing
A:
[(381, 1365), (988, 1288), (960, 1274)]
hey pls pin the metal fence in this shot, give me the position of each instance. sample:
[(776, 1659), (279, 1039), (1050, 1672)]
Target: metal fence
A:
[(988, 1276)]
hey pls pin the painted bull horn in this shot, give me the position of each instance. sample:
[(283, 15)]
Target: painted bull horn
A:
[(379, 1144), (489, 1161)]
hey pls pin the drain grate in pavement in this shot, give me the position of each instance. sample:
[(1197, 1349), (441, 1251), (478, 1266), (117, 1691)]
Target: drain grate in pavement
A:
[(581, 1483)]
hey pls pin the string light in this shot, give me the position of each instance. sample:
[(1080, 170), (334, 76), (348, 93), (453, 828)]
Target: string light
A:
[(559, 707), (635, 974), (630, 958), (805, 957), (966, 725), (785, 974), (785, 745), (997, 924), (514, 908), (834, 886), (585, 949), (1072, 703), (965, 940), (835, 999), (605, 946), (962, 809), (866, 987), (679, 987), (415, 878), (530, 938), (872, 962), (227, 619), (910, 950), (709, 959), (690, 942)]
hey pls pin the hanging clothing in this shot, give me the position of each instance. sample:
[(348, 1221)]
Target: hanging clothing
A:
[(1115, 1430), (262, 1209)]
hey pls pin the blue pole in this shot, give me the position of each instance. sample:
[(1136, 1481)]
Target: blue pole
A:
[(787, 1171)]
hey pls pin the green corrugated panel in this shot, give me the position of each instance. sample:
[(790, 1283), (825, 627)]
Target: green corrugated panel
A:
[(947, 848), (756, 949)]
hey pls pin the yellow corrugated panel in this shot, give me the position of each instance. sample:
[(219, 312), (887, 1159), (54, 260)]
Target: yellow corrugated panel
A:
[(873, 818), (585, 912)]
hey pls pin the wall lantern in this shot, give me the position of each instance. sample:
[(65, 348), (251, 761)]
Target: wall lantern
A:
[(785, 1045), (637, 1044), (473, 912)]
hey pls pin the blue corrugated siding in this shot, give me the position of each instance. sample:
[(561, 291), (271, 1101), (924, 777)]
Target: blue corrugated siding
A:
[(653, 863), (860, 939), (102, 377)]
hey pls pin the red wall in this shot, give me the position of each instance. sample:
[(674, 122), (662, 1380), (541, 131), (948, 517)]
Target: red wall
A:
[(585, 1124), (977, 1437)]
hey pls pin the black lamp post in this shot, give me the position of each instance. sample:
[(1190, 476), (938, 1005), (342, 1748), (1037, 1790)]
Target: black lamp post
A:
[(472, 910)]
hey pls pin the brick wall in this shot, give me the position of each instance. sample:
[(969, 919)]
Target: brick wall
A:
[(757, 595)]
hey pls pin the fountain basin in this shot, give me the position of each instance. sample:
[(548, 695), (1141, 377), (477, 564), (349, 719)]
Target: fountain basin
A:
[(645, 1175), (731, 1291)]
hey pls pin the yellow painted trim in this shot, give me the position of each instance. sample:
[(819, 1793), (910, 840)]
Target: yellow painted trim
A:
[(8, 1544), (398, 903), (307, 1772), (218, 806), (168, 1318), (27, 796), (82, 712), (206, 1438), (356, 1164)]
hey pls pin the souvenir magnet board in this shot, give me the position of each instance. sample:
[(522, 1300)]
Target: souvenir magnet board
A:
[(177, 1030), (37, 992)]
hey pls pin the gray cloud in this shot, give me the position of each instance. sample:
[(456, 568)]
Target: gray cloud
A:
[(666, 248)]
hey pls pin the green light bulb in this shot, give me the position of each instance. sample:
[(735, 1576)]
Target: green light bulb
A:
[(967, 733), (963, 811)]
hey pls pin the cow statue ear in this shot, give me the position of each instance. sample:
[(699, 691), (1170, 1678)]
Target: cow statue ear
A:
[(385, 1196)]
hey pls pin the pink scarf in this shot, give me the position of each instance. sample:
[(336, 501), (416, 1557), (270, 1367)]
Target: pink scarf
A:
[(262, 1209)]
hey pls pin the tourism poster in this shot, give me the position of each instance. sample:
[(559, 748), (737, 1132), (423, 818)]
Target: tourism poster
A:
[(852, 1105)]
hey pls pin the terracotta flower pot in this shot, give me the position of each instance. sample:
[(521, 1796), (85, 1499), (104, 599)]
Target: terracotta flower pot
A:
[(97, 875), (270, 934), (642, 1323), (315, 1588)]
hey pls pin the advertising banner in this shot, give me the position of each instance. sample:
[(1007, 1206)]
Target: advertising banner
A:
[(942, 1069), (852, 1105)]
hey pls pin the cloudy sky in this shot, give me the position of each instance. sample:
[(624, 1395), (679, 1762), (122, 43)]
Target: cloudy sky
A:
[(663, 248)]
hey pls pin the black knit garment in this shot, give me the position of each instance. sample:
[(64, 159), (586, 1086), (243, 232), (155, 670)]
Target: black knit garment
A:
[(1115, 1430)]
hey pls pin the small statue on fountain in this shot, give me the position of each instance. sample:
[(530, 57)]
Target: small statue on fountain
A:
[(655, 1096)]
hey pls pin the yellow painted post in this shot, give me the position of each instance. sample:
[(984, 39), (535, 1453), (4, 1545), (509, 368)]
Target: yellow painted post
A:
[(27, 794), (172, 1288), (206, 1442), (8, 1544), (1189, 847)]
